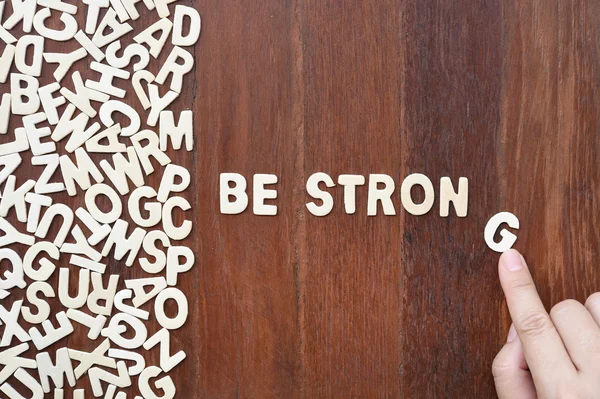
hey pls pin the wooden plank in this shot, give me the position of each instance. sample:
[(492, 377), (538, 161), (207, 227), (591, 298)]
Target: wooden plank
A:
[(351, 278), (551, 133), (452, 97), (247, 325)]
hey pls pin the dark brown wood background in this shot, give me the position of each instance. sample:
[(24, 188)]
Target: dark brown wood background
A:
[(502, 92)]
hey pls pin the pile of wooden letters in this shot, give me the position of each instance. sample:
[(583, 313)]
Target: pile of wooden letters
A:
[(80, 133)]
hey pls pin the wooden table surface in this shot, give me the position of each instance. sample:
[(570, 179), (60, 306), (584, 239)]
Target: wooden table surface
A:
[(505, 93)]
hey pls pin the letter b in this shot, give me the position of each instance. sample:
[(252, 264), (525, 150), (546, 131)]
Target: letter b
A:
[(238, 191)]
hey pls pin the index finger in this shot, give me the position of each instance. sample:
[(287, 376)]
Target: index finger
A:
[(545, 352)]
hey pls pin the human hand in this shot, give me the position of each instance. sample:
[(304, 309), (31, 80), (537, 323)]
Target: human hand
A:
[(554, 355)]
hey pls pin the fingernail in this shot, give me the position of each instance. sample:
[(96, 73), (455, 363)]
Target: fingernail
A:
[(512, 334), (512, 260)]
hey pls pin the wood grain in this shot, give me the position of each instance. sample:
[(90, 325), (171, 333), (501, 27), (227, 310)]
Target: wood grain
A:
[(504, 93)]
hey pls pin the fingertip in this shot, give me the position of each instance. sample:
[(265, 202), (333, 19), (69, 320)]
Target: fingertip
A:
[(510, 371), (512, 334), (511, 261), (510, 253), (508, 361)]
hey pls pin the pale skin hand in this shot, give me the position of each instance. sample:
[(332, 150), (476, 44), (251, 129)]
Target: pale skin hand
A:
[(554, 355)]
